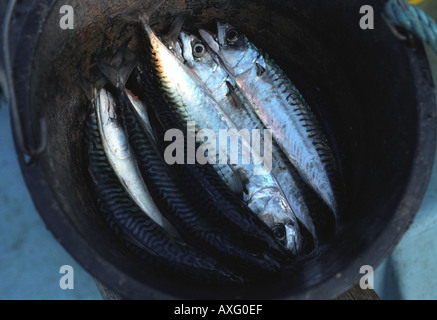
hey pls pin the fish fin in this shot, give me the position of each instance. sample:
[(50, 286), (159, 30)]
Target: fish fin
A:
[(130, 56), (86, 86), (175, 29), (210, 39), (118, 75), (99, 84), (231, 88), (233, 95), (89, 88), (237, 179), (150, 9), (135, 18), (260, 70), (110, 72), (119, 55)]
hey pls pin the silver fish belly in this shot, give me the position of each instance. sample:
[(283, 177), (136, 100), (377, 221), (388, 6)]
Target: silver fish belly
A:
[(280, 107), (264, 195), (207, 67), (225, 171), (191, 101), (118, 151)]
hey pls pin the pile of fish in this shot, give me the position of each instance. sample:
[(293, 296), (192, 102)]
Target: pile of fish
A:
[(220, 222)]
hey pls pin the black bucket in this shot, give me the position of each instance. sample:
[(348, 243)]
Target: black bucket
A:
[(372, 92)]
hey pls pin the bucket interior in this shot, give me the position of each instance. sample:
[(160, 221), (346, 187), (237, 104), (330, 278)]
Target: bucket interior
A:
[(358, 83)]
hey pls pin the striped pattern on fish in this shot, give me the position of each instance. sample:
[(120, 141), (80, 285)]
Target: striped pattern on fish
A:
[(122, 159), (141, 234), (281, 107), (191, 101), (207, 67), (180, 210)]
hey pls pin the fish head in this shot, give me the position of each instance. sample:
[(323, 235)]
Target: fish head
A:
[(204, 63), (285, 231), (275, 212), (192, 48), (195, 52), (111, 126), (229, 44)]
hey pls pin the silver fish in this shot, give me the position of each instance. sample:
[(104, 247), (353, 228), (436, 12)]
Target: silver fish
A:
[(207, 67), (118, 151), (229, 177), (170, 42), (192, 101), (280, 106), (140, 110)]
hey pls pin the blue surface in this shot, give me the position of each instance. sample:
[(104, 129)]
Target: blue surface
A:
[(30, 258)]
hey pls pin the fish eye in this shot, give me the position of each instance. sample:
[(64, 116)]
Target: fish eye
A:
[(199, 50), (279, 231), (232, 35)]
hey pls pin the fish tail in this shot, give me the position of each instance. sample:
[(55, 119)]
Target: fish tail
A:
[(143, 17), (119, 70), (150, 9), (91, 88)]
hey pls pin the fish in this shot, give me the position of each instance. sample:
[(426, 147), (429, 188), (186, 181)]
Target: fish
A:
[(212, 196), (280, 106), (234, 213), (191, 101), (228, 176), (230, 248), (206, 65), (172, 202), (122, 159), (142, 235)]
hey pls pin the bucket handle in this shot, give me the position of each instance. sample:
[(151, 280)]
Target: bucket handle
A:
[(28, 152)]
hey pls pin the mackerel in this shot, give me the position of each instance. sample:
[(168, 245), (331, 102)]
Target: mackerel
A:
[(189, 221), (122, 160), (142, 235), (211, 195), (207, 67), (186, 96), (280, 106), (191, 101)]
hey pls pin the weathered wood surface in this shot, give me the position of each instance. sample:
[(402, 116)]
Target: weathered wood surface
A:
[(106, 293), (356, 293)]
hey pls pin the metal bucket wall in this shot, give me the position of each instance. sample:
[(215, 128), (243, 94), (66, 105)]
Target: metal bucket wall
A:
[(372, 93)]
